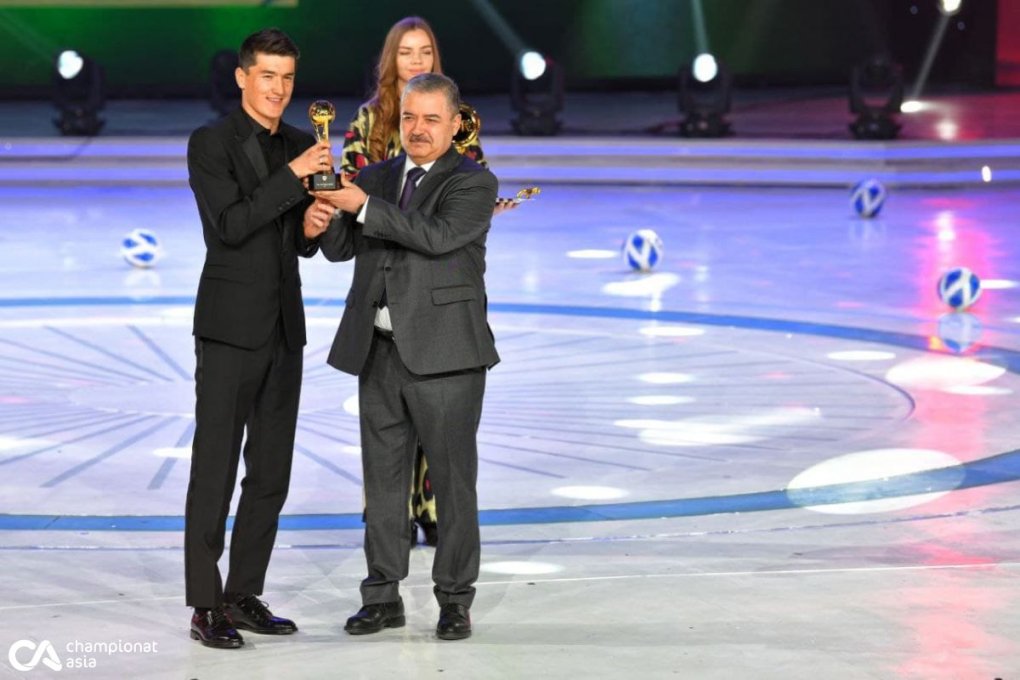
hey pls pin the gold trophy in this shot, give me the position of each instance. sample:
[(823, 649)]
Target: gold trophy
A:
[(525, 194), (322, 113)]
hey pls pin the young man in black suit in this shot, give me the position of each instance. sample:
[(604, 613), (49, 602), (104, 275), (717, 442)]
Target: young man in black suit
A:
[(246, 173), (415, 332)]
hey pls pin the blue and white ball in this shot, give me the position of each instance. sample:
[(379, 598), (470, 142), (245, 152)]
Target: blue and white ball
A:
[(141, 248), (868, 197), (959, 288), (642, 250)]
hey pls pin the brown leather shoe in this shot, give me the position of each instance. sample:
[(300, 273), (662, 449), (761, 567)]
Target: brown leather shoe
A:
[(454, 622), (214, 628), (250, 613), (372, 618)]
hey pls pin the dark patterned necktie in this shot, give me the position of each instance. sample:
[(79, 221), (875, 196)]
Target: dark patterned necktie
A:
[(410, 184)]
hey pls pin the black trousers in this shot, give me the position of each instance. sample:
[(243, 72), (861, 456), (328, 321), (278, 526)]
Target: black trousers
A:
[(397, 408), (238, 391)]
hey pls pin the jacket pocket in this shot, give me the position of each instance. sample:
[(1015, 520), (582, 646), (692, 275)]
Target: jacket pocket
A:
[(227, 273), (444, 296)]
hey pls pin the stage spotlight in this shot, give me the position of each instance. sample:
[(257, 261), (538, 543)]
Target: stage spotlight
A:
[(704, 68), (532, 65), (876, 95), (705, 93), (536, 95), (223, 93), (79, 93), (949, 7)]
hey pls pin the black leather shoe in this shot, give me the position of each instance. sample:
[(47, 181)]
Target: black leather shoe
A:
[(454, 622), (215, 629), (250, 613), (374, 617)]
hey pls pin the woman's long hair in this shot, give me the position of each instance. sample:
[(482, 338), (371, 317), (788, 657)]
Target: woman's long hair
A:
[(385, 100)]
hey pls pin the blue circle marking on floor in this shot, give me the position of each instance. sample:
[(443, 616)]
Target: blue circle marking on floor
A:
[(1004, 467), (996, 469)]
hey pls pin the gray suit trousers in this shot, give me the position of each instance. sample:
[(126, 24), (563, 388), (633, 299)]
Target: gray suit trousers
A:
[(398, 407)]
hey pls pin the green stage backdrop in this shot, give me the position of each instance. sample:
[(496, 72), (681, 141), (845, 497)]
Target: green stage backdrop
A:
[(163, 47)]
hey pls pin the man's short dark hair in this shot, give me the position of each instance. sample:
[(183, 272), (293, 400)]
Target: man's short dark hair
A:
[(435, 82), (267, 41)]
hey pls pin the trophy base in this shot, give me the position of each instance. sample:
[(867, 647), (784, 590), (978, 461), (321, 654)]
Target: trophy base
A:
[(325, 181)]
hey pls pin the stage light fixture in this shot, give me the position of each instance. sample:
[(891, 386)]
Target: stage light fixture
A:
[(223, 92), (705, 68), (950, 7), (536, 95), (705, 92), (79, 93), (532, 65), (876, 95)]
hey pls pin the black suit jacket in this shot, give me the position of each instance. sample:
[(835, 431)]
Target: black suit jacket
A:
[(429, 258), (251, 221)]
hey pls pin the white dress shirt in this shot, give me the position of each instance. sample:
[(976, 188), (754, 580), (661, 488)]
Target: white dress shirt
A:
[(382, 315)]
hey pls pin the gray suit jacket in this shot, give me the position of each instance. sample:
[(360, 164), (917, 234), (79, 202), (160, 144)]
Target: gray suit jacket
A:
[(430, 259)]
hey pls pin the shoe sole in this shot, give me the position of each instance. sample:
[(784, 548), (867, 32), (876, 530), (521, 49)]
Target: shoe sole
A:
[(230, 644), (395, 622), (454, 636), (264, 631)]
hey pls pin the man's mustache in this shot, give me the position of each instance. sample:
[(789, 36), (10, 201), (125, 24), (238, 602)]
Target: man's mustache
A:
[(421, 138)]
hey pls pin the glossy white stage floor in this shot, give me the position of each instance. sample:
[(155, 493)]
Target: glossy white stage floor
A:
[(776, 456)]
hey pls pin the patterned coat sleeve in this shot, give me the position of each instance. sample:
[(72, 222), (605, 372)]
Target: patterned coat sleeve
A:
[(355, 152)]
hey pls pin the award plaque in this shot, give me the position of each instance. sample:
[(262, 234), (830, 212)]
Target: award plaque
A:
[(322, 113)]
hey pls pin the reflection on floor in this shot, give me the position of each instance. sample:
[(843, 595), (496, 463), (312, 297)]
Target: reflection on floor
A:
[(777, 455)]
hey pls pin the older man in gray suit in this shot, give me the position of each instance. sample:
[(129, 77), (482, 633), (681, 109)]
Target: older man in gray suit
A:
[(415, 332)]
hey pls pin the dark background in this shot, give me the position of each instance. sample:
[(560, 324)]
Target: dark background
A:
[(163, 49)]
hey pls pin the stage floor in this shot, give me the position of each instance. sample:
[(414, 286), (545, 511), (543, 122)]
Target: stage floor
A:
[(777, 455)]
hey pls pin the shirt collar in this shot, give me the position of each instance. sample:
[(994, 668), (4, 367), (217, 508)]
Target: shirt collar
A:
[(408, 164), (259, 128)]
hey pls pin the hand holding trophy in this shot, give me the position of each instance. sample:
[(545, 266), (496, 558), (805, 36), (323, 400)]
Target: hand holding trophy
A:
[(322, 113)]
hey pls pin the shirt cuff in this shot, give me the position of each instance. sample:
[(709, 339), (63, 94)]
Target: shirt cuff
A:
[(361, 213)]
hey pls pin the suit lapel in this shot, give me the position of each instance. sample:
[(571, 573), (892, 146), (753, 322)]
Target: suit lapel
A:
[(249, 142), (254, 153), (391, 182)]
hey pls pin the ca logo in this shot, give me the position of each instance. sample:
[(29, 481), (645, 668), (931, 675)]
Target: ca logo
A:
[(43, 652)]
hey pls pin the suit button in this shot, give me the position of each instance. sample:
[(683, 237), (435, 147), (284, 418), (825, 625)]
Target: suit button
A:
[(387, 268)]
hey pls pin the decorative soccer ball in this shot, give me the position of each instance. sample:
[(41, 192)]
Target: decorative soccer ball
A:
[(141, 248), (642, 250), (868, 197), (959, 288)]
